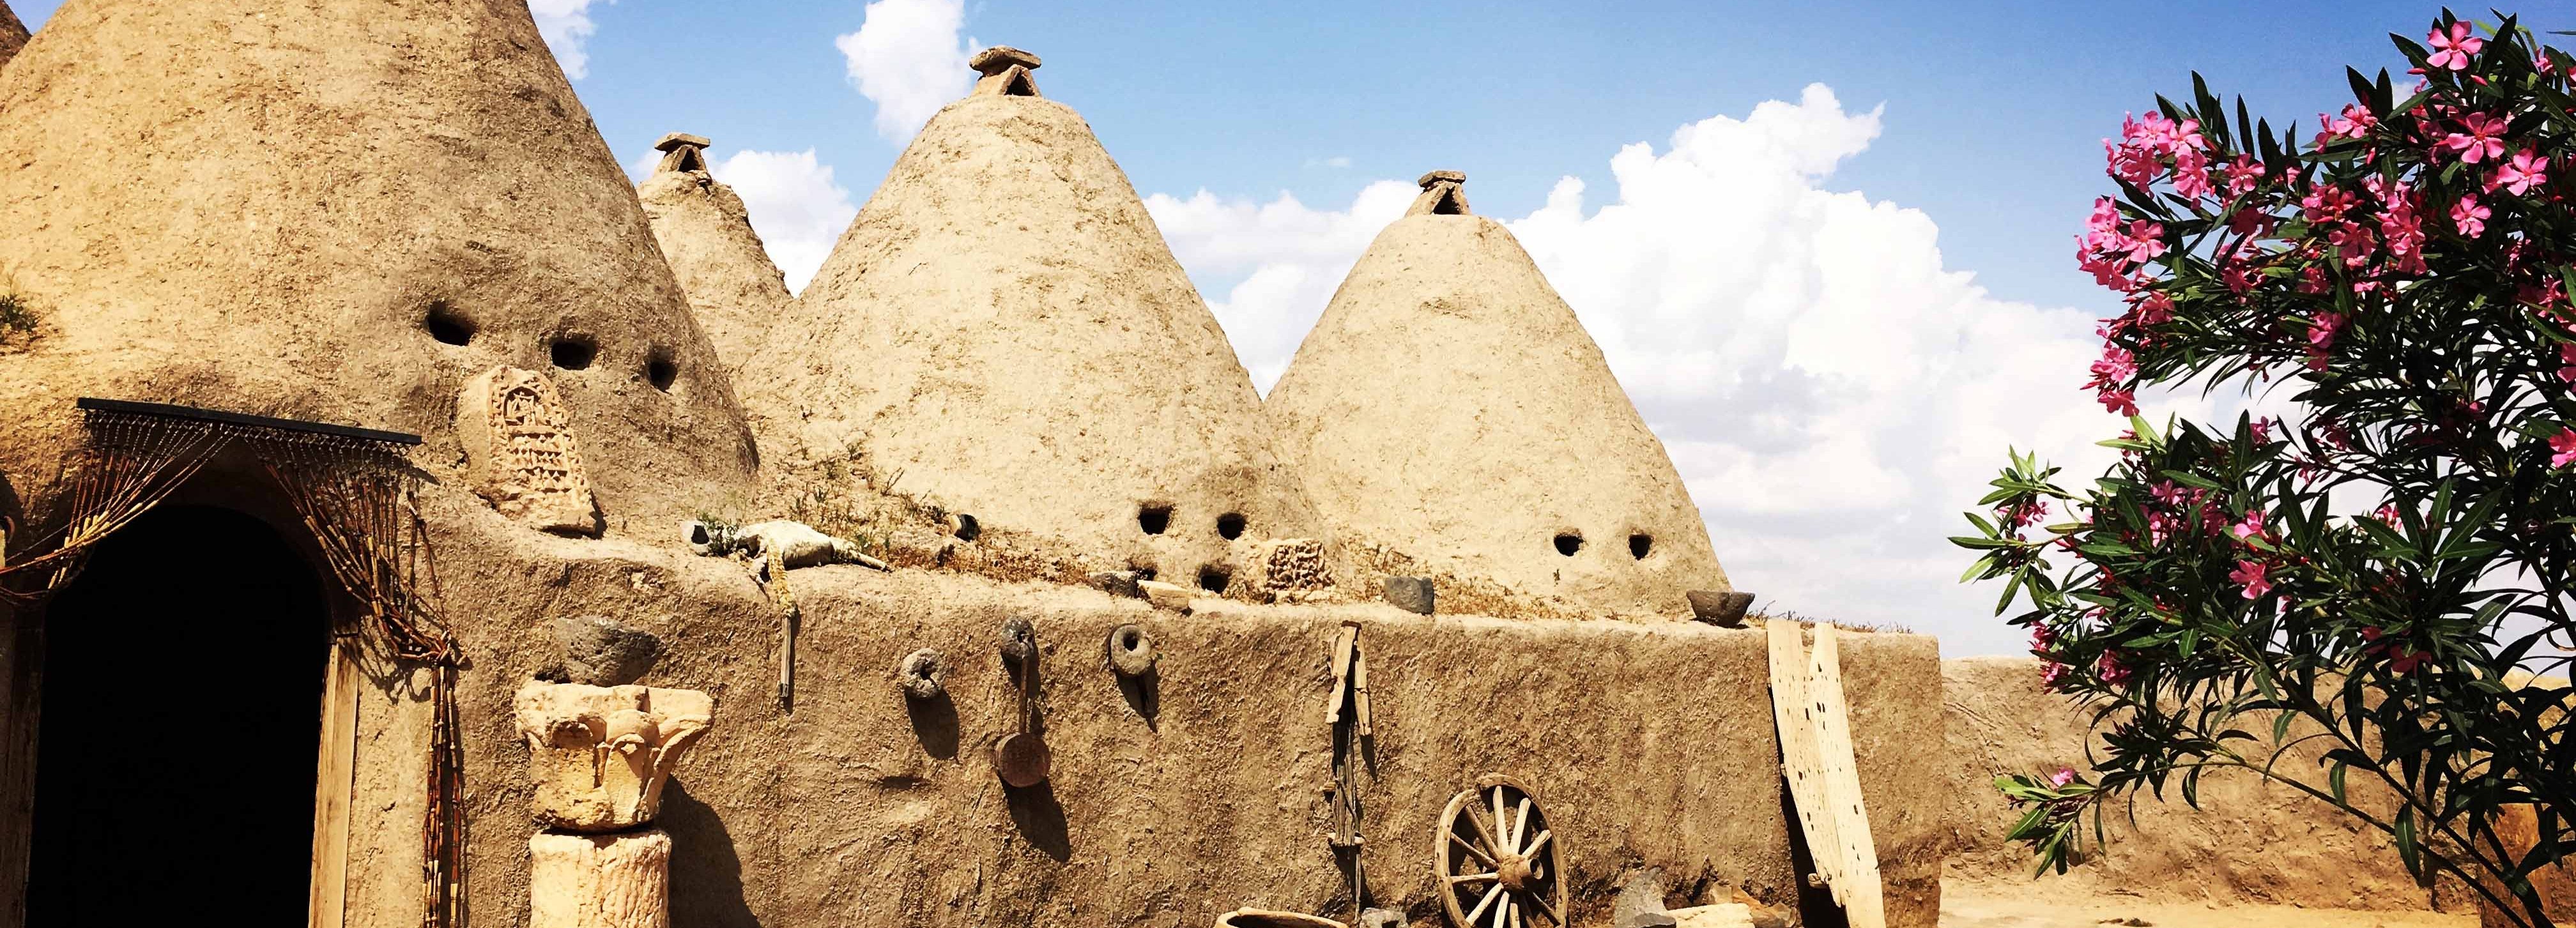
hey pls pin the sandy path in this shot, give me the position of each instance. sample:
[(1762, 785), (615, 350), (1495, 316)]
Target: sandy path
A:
[(2037, 905)]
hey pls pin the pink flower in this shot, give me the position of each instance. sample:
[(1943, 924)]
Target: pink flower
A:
[(2243, 175), (2191, 174), (2564, 444), (2053, 675), (2327, 202), (2063, 776), (2156, 309), (2135, 164), (2321, 333), (2146, 240), (2451, 52), (2388, 514), (2105, 218), (2527, 170), (2354, 243), (2119, 401), (2567, 363), (2482, 140), (2117, 366), (2354, 123), (2249, 574), (2167, 493), (2250, 526), (2112, 670), (2470, 217)]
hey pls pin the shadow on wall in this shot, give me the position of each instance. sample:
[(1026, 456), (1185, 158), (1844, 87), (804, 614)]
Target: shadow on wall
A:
[(1040, 818), (706, 874)]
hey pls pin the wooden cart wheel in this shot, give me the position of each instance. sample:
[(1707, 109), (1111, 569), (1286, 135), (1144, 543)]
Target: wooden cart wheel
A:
[(1496, 861)]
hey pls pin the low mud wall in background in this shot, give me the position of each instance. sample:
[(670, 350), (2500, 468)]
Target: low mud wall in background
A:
[(1648, 745), (2251, 841)]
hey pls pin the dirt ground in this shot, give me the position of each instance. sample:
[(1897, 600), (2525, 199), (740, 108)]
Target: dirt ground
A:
[(1999, 904)]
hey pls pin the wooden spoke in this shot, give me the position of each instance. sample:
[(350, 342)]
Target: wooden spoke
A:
[(1500, 823), (1520, 915), (1520, 824), (1503, 916), (1539, 842), (1471, 848), (1540, 900), (1470, 878), (1490, 896), (1478, 819)]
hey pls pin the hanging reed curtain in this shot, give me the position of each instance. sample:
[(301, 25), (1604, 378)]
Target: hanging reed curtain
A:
[(356, 492)]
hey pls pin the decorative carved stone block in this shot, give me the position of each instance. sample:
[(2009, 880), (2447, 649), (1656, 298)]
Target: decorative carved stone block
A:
[(520, 453), (600, 881), (599, 754), (1293, 564)]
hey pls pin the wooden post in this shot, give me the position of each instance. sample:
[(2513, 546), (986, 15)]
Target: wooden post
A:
[(334, 769)]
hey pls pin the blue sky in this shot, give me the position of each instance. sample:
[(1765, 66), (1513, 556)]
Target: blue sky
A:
[(1832, 263)]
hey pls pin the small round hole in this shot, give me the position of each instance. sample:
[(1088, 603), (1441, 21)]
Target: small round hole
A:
[(1569, 542), (1154, 518), (1230, 526), (1213, 578), (1128, 636), (967, 528), (1640, 545), (447, 325), (572, 352), (662, 371)]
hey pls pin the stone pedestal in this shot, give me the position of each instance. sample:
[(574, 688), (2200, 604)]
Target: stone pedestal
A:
[(600, 881), (599, 754)]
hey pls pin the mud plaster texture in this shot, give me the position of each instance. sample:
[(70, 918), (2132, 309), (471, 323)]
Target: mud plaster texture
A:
[(13, 34), (1449, 415), (704, 230), (1003, 332), (1191, 793), (255, 205), (2252, 841)]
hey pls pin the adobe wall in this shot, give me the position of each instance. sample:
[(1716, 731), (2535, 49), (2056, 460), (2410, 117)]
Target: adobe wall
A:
[(1649, 744), (2252, 841)]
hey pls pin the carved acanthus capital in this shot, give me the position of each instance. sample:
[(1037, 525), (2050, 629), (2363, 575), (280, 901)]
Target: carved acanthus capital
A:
[(599, 754)]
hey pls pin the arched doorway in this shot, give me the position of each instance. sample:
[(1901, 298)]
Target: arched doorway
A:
[(178, 726)]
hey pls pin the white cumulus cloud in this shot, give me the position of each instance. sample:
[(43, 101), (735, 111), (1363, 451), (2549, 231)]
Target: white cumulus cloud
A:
[(795, 204), (1832, 394), (567, 28), (907, 58)]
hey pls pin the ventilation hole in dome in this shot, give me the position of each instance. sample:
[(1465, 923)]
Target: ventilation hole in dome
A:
[(1448, 205), (572, 352), (1640, 545), (967, 528), (1230, 526), (1019, 84), (1569, 542), (1213, 578), (1154, 518), (662, 370), (1129, 636), (447, 325)]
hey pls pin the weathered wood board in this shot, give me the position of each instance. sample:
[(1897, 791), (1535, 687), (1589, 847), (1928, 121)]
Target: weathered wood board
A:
[(1816, 757), (1799, 762), (1857, 884)]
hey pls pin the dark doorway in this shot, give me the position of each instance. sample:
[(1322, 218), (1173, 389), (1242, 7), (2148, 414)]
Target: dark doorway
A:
[(178, 729)]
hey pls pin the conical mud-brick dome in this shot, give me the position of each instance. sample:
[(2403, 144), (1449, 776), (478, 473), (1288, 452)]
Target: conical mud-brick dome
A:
[(13, 34), (340, 212), (705, 232), (1449, 408), (1004, 327)]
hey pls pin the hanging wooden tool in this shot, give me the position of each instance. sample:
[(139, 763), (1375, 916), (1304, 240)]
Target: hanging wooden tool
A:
[(1349, 717), (1022, 757)]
